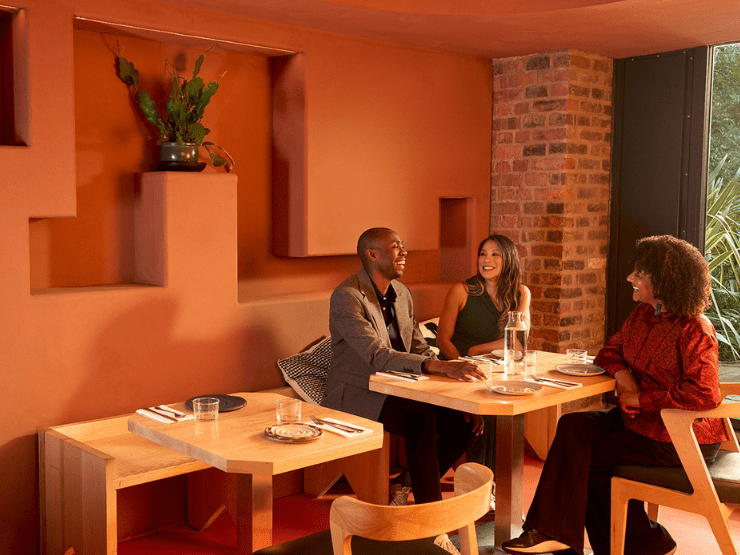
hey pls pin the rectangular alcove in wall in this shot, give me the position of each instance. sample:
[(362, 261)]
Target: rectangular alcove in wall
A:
[(455, 238), (13, 79)]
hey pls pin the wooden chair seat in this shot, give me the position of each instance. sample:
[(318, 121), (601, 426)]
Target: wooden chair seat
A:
[(320, 544), (712, 491), (723, 471), (362, 528)]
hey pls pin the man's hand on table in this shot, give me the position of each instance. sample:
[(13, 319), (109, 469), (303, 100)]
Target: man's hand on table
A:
[(456, 369)]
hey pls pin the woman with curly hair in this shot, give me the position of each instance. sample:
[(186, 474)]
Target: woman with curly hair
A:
[(664, 356), (474, 316)]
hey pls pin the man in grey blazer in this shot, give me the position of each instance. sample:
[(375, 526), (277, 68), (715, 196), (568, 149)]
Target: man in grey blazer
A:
[(372, 326)]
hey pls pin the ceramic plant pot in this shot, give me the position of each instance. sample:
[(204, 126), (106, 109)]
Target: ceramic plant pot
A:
[(174, 152)]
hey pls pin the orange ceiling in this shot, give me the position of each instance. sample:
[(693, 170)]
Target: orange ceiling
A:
[(503, 28)]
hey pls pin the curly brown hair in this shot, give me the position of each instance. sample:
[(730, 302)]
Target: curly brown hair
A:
[(508, 285), (678, 273)]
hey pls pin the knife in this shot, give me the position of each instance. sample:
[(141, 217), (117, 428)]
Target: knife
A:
[(553, 381), (407, 375), (162, 414), (343, 427)]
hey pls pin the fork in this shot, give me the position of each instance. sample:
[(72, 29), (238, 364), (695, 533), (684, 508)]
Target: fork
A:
[(343, 427), (162, 414)]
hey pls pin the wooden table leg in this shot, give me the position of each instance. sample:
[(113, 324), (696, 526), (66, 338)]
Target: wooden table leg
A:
[(367, 473), (509, 477), (254, 512)]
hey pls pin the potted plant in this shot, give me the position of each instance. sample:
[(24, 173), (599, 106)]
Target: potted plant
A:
[(182, 131)]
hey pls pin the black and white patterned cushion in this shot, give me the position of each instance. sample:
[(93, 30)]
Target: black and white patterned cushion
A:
[(429, 331), (306, 372)]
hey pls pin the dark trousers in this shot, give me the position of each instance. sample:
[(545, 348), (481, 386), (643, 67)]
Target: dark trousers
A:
[(435, 437), (574, 490)]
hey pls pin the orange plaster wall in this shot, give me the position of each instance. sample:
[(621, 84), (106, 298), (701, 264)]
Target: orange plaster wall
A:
[(385, 123)]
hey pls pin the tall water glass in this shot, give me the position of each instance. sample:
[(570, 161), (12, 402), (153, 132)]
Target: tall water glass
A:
[(515, 345)]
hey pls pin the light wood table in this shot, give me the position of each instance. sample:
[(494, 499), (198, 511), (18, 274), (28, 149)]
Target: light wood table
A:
[(476, 398), (235, 443)]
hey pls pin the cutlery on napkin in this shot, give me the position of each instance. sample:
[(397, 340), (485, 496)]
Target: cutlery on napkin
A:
[(482, 359), (403, 375), (165, 415), (326, 424), (562, 384)]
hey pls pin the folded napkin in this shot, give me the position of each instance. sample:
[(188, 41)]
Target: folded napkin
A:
[(332, 429), (164, 416)]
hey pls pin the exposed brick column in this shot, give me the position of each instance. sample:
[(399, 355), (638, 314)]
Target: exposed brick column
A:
[(551, 163)]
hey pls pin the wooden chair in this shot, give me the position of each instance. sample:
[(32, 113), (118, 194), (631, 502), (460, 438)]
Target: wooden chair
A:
[(712, 491), (359, 528)]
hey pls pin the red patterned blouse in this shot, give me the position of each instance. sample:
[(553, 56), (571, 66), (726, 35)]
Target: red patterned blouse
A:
[(675, 362)]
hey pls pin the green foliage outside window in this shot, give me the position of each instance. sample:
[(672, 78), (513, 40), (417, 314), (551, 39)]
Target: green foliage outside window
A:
[(722, 242)]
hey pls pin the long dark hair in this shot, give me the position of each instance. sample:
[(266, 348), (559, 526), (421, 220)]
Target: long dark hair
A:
[(509, 283)]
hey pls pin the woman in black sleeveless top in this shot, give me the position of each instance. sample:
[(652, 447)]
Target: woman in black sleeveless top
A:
[(474, 316)]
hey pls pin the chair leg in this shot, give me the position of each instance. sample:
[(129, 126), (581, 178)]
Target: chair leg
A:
[(468, 540), (653, 511), (619, 517), (721, 529)]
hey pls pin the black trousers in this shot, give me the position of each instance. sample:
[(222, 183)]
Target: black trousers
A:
[(435, 437), (574, 490)]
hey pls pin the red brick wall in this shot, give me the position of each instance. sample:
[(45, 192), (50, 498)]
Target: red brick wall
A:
[(551, 163)]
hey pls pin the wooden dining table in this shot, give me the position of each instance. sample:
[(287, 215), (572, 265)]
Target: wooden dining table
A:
[(477, 398), (236, 443)]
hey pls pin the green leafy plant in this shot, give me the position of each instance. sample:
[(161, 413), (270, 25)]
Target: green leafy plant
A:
[(722, 251), (185, 107)]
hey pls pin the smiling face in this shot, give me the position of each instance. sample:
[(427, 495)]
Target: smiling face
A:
[(490, 260), (388, 256), (642, 288)]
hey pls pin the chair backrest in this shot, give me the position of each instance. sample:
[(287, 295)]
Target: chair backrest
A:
[(351, 517)]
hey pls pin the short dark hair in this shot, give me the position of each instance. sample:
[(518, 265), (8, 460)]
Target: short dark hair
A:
[(678, 272), (369, 240)]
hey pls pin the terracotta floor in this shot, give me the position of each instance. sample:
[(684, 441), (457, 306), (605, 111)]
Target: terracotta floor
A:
[(299, 515)]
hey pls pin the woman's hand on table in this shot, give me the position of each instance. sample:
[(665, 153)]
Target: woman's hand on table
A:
[(456, 369)]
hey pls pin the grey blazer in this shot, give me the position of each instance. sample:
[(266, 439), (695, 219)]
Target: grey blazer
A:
[(361, 345)]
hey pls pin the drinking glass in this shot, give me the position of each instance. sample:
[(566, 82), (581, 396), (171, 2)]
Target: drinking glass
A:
[(288, 410), (205, 408), (576, 356)]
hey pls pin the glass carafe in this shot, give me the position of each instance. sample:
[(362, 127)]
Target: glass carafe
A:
[(515, 344)]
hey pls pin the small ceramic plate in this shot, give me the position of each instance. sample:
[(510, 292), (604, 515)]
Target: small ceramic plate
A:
[(513, 388), (293, 433), (499, 353), (586, 369)]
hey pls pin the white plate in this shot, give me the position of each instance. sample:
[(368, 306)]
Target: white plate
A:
[(514, 388), (586, 369), (499, 353)]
